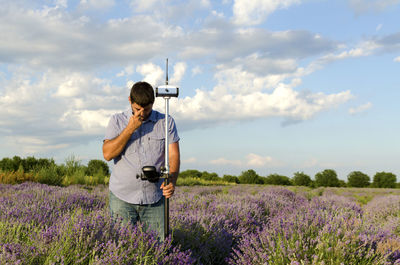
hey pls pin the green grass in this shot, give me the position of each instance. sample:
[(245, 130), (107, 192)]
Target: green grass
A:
[(192, 181)]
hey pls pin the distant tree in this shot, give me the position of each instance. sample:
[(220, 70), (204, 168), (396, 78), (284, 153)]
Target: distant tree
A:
[(73, 165), (301, 179), (327, 178), (342, 183), (312, 184), (29, 164), (384, 180), (276, 179), (250, 177), (358, 179), (192, 173), (45, 162), (209, 176), (230, 178), (17, 161), (7, 164), (95, 165)]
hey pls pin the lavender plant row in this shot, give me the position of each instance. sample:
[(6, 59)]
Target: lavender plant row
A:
[(42, 224)]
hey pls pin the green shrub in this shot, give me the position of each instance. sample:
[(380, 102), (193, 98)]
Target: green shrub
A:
[(342, 183), (95, 165), (301, 179), (384, 180), (73, 165), (7, 164), (189, 181), (276, 179), (250, 177), (209, 176), (358, 179), (231, 179), (49, 175), (16, 177), (327, 178), (190, 173)]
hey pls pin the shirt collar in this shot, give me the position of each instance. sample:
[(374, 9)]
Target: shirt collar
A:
[(152, 116)]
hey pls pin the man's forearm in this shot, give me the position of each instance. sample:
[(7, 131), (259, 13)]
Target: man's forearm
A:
[(112, 148)]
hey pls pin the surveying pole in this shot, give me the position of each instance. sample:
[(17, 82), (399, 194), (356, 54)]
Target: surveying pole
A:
[(166, 92)]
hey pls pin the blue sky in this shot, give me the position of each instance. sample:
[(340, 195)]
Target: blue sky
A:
[(274, 86)]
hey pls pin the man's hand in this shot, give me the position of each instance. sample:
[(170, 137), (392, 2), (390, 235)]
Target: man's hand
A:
[(136, 120), (168, 190), (174, 163), (112, 148)]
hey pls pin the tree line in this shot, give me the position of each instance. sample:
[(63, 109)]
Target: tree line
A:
[(44, 170), (325, 178), (73, 171), (31, 163)]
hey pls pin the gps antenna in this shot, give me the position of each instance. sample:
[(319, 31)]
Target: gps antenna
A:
[(166, 79)]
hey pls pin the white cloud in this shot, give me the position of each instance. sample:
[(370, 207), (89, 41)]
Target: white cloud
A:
[(319, 164), (56, 109), (151, 73), (217, 14), (364, 6), (256, 63), (179, 71), (97, 4), (72, 86), (196, 70), (224, 161), (205, 3), (397, 59), (30, 145), (172, 11), (93, 121), (241, 96), (238, 81), (255, 160), (360, 108), (62, 3), (144, 5), (189, 160), (256, 11), (310, 163), (256, 71), (129, 70), (365, 48), (53, 37), (251, 160)]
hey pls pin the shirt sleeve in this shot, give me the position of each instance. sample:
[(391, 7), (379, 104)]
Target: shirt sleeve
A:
[(173, 136), (112, 129)]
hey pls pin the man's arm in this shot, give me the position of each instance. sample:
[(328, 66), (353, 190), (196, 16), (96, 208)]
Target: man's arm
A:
[(114, 147), (174, 164)]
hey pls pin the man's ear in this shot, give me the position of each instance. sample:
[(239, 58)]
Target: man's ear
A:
[(129, 98)]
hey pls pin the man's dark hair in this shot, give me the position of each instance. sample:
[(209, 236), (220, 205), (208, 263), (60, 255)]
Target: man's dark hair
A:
[(142, 93)]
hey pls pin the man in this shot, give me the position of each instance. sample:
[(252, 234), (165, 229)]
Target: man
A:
[(136, 138)]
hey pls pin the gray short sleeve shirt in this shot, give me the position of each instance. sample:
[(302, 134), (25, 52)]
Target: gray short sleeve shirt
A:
[(146, 147)]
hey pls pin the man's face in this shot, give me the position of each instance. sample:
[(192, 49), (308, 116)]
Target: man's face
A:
[(146, 110)]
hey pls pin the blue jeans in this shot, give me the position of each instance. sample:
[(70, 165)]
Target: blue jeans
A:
[(151, 215)]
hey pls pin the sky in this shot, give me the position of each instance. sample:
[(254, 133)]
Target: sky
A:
[(274, 86)]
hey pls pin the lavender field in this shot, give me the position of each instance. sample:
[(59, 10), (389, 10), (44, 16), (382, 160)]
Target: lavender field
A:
[(240, 224)]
